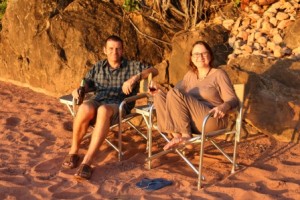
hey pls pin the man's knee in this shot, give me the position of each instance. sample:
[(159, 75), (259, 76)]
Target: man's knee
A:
[(105, 110), (87, 110)]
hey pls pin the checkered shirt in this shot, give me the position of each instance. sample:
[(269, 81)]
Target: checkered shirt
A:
[(107, 82)]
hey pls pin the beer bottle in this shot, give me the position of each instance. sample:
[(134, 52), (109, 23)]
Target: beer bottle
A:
[(81, 92)]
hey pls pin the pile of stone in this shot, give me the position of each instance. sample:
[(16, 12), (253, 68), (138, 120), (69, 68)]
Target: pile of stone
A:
[(260, 30)]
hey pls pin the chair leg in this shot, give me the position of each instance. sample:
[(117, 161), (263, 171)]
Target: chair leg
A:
[(201, 161), (234, 165), (221, 150)]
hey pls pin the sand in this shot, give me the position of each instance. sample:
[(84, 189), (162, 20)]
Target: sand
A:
[(35, 136)]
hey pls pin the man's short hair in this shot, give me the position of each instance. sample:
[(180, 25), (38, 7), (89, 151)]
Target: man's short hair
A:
[(114, 38)]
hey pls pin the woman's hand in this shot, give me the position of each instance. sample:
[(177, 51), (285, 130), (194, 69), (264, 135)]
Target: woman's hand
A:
[(218, 113)]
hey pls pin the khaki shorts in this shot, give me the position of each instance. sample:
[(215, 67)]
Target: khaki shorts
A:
[(114, 118)]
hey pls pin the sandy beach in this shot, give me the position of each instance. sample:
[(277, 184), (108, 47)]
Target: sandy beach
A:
[(35, 136)]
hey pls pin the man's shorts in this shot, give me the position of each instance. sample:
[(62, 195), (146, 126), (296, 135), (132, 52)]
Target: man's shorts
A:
[(114, 118)]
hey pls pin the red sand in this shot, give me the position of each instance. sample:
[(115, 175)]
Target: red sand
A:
[(35, 132)]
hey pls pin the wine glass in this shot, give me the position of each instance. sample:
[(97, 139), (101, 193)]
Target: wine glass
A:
[(152, 88)]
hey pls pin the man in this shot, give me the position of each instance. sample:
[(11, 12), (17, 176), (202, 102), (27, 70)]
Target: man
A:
[(112, 79)]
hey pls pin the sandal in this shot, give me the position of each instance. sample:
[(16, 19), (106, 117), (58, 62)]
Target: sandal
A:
[(84, 172), (70, 161)]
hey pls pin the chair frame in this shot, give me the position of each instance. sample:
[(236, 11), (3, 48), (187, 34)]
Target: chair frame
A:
[(142, 110), (205, 136)]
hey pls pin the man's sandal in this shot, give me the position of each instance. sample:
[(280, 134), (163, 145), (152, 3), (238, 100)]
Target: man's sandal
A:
[(71, 161), (84, 172)]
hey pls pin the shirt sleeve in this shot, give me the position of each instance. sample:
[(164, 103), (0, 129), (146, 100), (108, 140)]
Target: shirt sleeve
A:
[(227, 92)]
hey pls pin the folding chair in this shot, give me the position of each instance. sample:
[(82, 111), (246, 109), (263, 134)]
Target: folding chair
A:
[(203, 138), (137, 111)]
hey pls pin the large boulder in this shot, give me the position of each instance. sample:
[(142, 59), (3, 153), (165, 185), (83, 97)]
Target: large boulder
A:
[(272, 103), (292, 36)]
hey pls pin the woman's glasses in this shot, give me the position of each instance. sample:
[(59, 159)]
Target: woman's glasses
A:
[(197, 55)]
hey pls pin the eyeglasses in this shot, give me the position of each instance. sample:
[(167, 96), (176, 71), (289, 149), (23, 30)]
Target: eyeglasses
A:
[(197, 55)]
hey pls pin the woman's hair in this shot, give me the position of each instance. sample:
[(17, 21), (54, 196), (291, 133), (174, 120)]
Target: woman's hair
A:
[(207, 47)]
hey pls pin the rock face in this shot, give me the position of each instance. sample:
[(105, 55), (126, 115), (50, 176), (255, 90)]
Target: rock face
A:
[(272, 103), (51, 45)]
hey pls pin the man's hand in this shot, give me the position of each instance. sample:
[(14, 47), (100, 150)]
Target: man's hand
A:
[(127, 86), (75, 94)]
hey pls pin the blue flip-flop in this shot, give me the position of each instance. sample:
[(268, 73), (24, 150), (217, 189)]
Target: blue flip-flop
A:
[(143, 183), (153, 184)]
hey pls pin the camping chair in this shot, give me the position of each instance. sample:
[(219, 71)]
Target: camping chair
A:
[(203, 138), (137, 111)]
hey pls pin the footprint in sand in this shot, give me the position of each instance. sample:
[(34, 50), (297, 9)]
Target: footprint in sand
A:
[(47, 169), (12, 121)]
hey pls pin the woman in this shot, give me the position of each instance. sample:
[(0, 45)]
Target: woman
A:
[(204, 89)]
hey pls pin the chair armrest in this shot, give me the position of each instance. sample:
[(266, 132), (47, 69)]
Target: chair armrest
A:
[(135, 97), (131, 99), (205, 121), (66, 99)]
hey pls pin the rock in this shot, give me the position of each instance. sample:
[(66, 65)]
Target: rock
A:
[(256, 8), (273, 21), (236, 26), (282, 16), (262, 40), (273, 93), (245, 23), (259, 23), (231, 41), (266, 27), (228, 24), (247, 49), (265, 2), (277, 39), (292, 36), (271, 45), (251, 38), (296, 51), (277, 52), (162, 68), (257, 46), (257, 35)]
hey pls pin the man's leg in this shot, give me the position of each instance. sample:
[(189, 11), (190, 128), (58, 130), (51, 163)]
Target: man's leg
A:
[(104, 115), (85, 114)]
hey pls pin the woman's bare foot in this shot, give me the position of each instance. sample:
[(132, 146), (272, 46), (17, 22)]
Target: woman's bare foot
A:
[(177, 140)]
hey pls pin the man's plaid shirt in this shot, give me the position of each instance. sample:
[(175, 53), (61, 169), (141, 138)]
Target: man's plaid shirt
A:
[(107, 82)]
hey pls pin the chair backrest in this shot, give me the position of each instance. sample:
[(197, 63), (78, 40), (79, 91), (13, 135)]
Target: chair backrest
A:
[(144, 84), (240, 93)]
